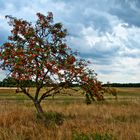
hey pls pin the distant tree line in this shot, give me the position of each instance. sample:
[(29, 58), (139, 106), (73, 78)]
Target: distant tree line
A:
[(11, 82), (122, 85)]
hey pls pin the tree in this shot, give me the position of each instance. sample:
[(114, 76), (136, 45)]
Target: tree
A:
[(9, 82), (39, 52)]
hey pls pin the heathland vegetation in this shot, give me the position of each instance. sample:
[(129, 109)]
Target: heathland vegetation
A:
[(70, 118)]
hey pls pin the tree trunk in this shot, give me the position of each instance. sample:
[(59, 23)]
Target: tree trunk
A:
[(39, 110)]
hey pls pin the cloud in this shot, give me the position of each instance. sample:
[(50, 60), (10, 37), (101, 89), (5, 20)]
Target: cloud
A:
[(102, 31), (124, 9)]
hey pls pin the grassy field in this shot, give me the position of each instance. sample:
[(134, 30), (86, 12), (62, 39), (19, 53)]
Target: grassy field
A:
[(108, 120)]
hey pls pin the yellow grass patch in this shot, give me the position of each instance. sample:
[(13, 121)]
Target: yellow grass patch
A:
[(119, 118)]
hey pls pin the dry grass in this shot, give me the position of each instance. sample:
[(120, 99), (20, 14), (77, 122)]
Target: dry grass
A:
[(119, 118)]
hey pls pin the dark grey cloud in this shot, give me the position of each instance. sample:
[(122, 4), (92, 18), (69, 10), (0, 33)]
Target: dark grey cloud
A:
[(101, 56), (128, 11), (96, 23)]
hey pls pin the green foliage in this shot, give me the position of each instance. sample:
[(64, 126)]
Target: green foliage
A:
[(8, 82), (92, 136), (12, 82)]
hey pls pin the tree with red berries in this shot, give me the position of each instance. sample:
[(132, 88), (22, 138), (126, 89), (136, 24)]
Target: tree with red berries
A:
[(39, 52)]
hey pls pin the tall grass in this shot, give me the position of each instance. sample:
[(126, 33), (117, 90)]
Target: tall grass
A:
[(112, 120)]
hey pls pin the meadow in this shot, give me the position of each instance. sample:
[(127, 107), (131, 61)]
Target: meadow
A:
[(71, 118)]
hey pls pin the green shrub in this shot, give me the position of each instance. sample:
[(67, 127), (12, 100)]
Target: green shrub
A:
[(92, 136)]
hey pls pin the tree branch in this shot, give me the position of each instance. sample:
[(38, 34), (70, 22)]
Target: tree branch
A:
[(46, 94), (26, 93)]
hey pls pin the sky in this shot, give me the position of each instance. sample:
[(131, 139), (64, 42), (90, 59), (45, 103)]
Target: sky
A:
[(106, 32)]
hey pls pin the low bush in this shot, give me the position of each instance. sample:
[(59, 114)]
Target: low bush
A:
[(92, 136)]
